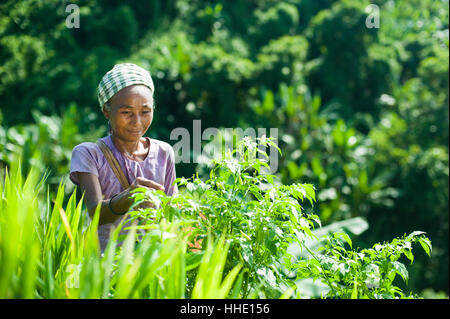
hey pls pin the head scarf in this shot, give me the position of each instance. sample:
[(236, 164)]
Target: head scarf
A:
[(122, 76)]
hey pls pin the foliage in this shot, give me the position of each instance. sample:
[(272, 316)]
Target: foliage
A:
[(365, 274), (362, 113), (55, 254), (261, 220), (46, 145), (55, 251), (383, 175), (19, 247)]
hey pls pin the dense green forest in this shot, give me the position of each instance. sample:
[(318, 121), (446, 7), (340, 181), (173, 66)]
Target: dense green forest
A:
[(362, 112)]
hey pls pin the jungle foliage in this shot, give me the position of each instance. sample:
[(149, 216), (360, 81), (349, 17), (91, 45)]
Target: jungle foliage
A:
[(362, 113)]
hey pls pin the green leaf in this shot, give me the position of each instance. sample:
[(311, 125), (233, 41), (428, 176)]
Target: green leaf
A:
[(345, 237), (139, 190), (355, 290), (190, 187), (409, 255), (426, 245), (310, 193), (401, 270), (237, 286), (416, 233)]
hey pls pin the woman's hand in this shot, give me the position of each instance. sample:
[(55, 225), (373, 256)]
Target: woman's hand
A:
[(146, 183), (121, 202)]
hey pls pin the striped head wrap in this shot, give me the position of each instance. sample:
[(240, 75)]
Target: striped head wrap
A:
[(122, 76)]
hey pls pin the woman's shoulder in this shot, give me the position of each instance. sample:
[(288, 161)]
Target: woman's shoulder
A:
[(164, 146), (86, 146), (88, 149)]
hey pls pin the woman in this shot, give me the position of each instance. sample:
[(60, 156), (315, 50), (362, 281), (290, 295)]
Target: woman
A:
[(125, 95)]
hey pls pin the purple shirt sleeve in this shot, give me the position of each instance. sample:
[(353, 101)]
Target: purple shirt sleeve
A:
[(84, 160)]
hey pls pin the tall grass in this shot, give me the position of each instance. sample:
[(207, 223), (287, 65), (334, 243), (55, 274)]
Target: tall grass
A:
[(19, 245), (51, 250)]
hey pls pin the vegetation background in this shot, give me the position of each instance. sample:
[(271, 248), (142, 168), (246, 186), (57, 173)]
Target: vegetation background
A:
[(362, 113)]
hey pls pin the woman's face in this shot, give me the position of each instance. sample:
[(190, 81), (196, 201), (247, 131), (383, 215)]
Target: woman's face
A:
[(130, 112)]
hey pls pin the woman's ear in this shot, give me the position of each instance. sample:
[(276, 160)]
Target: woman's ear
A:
[(106, 110)]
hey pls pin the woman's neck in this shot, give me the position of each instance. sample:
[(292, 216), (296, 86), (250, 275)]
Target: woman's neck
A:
[(134, 150)]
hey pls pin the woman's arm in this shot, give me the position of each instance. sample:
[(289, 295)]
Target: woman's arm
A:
[(120, 203), (93, 195)]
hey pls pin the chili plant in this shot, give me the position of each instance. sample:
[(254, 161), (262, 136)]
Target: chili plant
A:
[(367, 273), (260, 219)]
